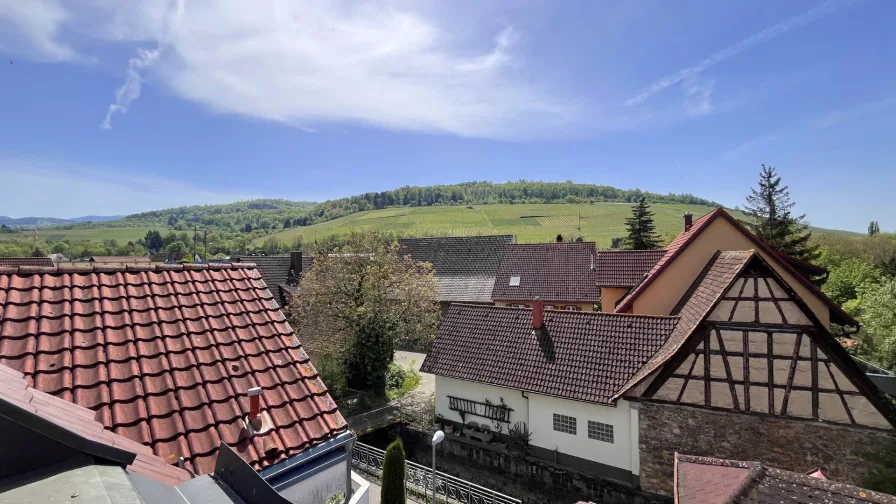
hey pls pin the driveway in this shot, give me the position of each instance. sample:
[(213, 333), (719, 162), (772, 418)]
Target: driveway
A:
[(418, 400)]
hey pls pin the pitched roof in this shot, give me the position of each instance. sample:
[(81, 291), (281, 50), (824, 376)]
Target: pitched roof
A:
[(584, 356), (43, 262), (706, 480), (165, 355), (79, 421), (274, 270), (551, 271), (695, 305), (120, 259), (464, 266), (624, 268), (678, 245)]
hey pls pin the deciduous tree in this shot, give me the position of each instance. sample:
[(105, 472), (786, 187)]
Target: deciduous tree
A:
[(770, 218), (363, 299)]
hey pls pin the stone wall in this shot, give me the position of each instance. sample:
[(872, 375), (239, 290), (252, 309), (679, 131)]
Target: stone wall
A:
[(793, 445), (526, 478)]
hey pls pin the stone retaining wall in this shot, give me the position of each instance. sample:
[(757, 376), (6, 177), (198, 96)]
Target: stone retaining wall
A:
[(793, 445)]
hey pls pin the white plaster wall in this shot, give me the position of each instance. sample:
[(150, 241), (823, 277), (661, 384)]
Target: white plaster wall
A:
[(479, 392), (618, 454)]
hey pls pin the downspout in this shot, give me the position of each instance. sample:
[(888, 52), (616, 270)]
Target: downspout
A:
[(523, 393)]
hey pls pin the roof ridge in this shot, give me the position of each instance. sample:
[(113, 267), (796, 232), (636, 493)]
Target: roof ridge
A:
[(663, 250), (591, 313), (102, 268)]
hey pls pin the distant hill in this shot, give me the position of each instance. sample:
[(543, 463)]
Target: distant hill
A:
[(43, 222), (97, 218)]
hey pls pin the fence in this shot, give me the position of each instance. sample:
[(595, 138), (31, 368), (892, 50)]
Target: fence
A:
[(418, 480), (365, 422)]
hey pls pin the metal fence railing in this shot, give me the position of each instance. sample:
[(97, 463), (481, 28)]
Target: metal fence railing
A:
[(418, 480), (364, 422)]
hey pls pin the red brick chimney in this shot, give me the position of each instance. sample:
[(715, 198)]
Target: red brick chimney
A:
[(688, 221), (537, 313)]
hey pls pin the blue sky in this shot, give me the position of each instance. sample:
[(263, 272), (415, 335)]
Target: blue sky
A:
[(112, 107)]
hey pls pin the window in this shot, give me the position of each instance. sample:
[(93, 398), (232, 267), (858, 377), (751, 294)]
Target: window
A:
[(600, 431), (563, 423), (550, 307), (571, 308), (519, 305), (514, 281)]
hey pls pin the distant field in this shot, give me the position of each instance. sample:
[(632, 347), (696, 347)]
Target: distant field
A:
[(122, 235), (601, 222)]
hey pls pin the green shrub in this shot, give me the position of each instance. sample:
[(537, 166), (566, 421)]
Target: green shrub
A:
[(400, 380), (393, 491), (331, 369)]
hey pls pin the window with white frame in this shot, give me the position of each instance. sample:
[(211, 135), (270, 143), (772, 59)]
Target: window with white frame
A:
[(550, 307), (571, 308), (563, 423), (600, 431)]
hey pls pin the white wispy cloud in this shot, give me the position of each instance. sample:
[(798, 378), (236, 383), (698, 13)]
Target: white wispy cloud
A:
[(315, 64), (815, 13), (698, 95), (32, 28), (50, 188), (130, 90)]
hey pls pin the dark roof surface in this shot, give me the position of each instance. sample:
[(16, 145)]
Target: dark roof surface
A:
[(81, 422), (464, 266), (165, 355), (721, 271), (274, 270), (706, 480), (44, 262), (120, 259), (579, 355), (624, 268), (551, 271)]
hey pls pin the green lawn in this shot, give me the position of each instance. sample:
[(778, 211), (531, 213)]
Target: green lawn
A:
[(601, 222), (122, 235)]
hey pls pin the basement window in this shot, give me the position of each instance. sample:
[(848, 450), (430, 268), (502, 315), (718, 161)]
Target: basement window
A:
[(600, 431), (515, 281), (566, 424)]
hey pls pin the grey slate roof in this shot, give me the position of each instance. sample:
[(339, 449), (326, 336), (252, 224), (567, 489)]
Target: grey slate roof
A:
[(584, 356), (551, 271), (464, 266)]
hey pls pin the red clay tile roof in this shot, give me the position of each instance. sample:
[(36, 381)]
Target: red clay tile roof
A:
[(585, 356), (551, 271), (165, 355), (721, 271), (624, 268), (120, 259), (43, 262), (706, 480), (15, 390), (838, 315)]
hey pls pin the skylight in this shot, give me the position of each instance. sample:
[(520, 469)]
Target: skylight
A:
[(515, 281)]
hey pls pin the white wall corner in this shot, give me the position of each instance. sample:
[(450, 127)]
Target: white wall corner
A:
[(635, 437)]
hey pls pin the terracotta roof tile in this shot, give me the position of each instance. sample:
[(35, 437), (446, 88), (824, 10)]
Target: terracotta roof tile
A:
[(695, 305), (579, 355), (624, 268), (44, 262), (551, 271), (464, 266), (706, 480), (81, 421), (161, 365)]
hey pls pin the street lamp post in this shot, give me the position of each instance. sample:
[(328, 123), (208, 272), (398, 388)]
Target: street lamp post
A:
[(436, 439)]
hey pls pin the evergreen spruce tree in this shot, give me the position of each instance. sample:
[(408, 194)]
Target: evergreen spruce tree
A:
[(873, 228), (770, 219), (393, 491), (641, 228)]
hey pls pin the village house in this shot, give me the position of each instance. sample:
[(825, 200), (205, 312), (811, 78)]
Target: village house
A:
[(281, 273), (722, 349), (464, 266), (42, 262), (182, 360)]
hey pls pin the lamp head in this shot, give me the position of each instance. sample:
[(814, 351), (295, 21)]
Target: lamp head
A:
[(438, 437)]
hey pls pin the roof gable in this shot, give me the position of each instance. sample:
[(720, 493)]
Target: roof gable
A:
[(583, 356), (551, 271), (681, 242), (165, 356)]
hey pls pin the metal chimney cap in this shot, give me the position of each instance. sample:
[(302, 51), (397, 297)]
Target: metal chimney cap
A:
[(254, 391)]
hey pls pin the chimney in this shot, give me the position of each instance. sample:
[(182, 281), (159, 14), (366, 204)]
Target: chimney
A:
[(688, 221), (295, 261), (537, 314), (254, 403), (559, 238)]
